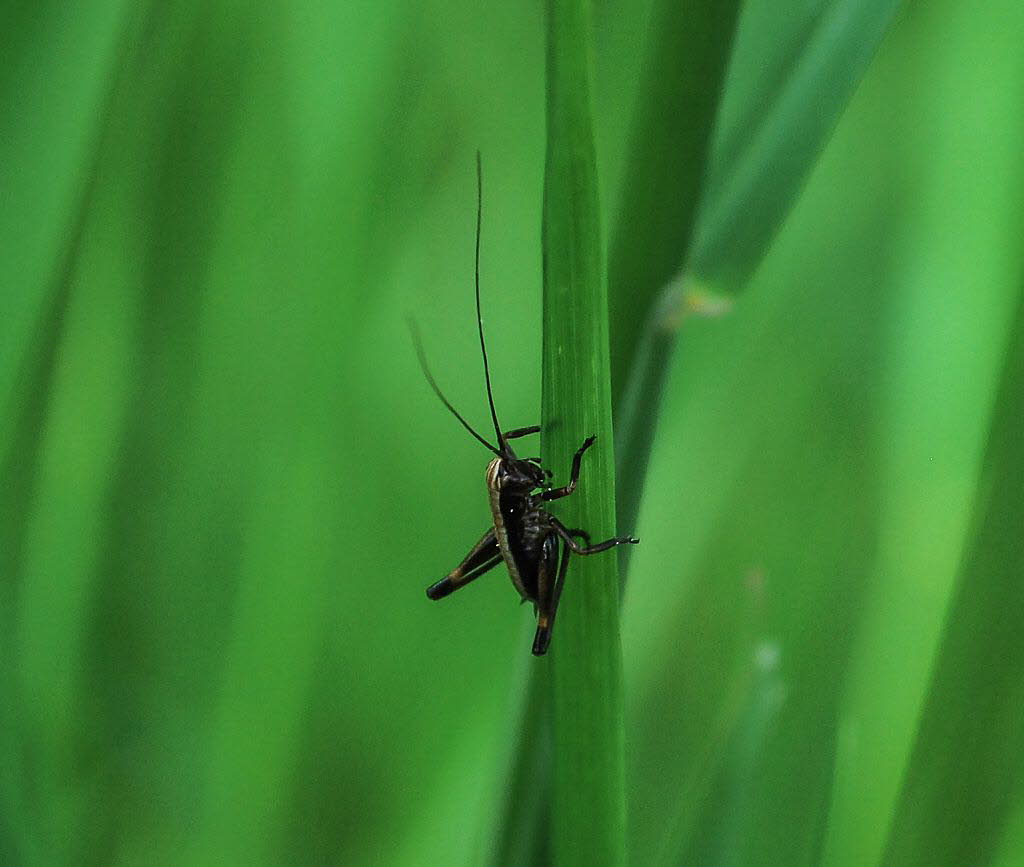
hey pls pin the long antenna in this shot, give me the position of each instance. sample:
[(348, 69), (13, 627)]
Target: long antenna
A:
[(479, 315), (418, 343)]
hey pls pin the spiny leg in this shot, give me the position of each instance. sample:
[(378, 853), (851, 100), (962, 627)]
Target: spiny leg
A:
[(567, 535), (574, 474), (483, 556)]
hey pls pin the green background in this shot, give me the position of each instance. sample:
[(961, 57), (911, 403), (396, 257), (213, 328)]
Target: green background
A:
[(225, 484)]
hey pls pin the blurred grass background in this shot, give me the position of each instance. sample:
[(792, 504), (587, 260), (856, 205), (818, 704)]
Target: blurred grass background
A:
[(225, 486)]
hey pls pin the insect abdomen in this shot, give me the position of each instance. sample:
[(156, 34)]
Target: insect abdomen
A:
[(506, 541)]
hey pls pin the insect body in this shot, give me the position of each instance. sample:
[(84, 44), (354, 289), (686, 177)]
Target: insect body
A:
[(534, 545)]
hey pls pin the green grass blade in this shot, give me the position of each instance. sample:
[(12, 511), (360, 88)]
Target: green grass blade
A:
[(685, 61), (804, 68), (955, 287), (678, 97), (970, 744), (588, 786), (521, 836), (637, 410), (32, 361)]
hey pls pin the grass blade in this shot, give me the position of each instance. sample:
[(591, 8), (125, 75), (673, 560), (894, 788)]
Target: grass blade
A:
[(678, 98), (588, 802), (976, 700), (805, 72), (805, 68)]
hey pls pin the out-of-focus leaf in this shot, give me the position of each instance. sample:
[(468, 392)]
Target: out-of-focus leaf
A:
[(894, 363), (794, 69), (792, 72), (678, 96), (968, 757), (954, 282)]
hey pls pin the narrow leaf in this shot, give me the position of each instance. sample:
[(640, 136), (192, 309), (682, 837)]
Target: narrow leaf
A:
[(969, 755), (586, 665)]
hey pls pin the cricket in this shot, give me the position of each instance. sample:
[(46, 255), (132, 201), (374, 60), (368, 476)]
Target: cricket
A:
[(533, 544)]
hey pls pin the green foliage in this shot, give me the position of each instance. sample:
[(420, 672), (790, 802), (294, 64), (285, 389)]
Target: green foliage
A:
[(224, 486), (975, 695), (684, 66), (588, 800), (793, 71)]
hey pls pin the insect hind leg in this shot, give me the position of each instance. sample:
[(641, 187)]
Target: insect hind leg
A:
[(483, 557), (568, 534), (550, 574), (449, 584), (546, 618)]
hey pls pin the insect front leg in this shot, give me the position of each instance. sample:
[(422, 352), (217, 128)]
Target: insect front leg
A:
[(574, 474), (483, 557)]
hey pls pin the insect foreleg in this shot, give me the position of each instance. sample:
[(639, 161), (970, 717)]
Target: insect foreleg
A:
[(574, 474)]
